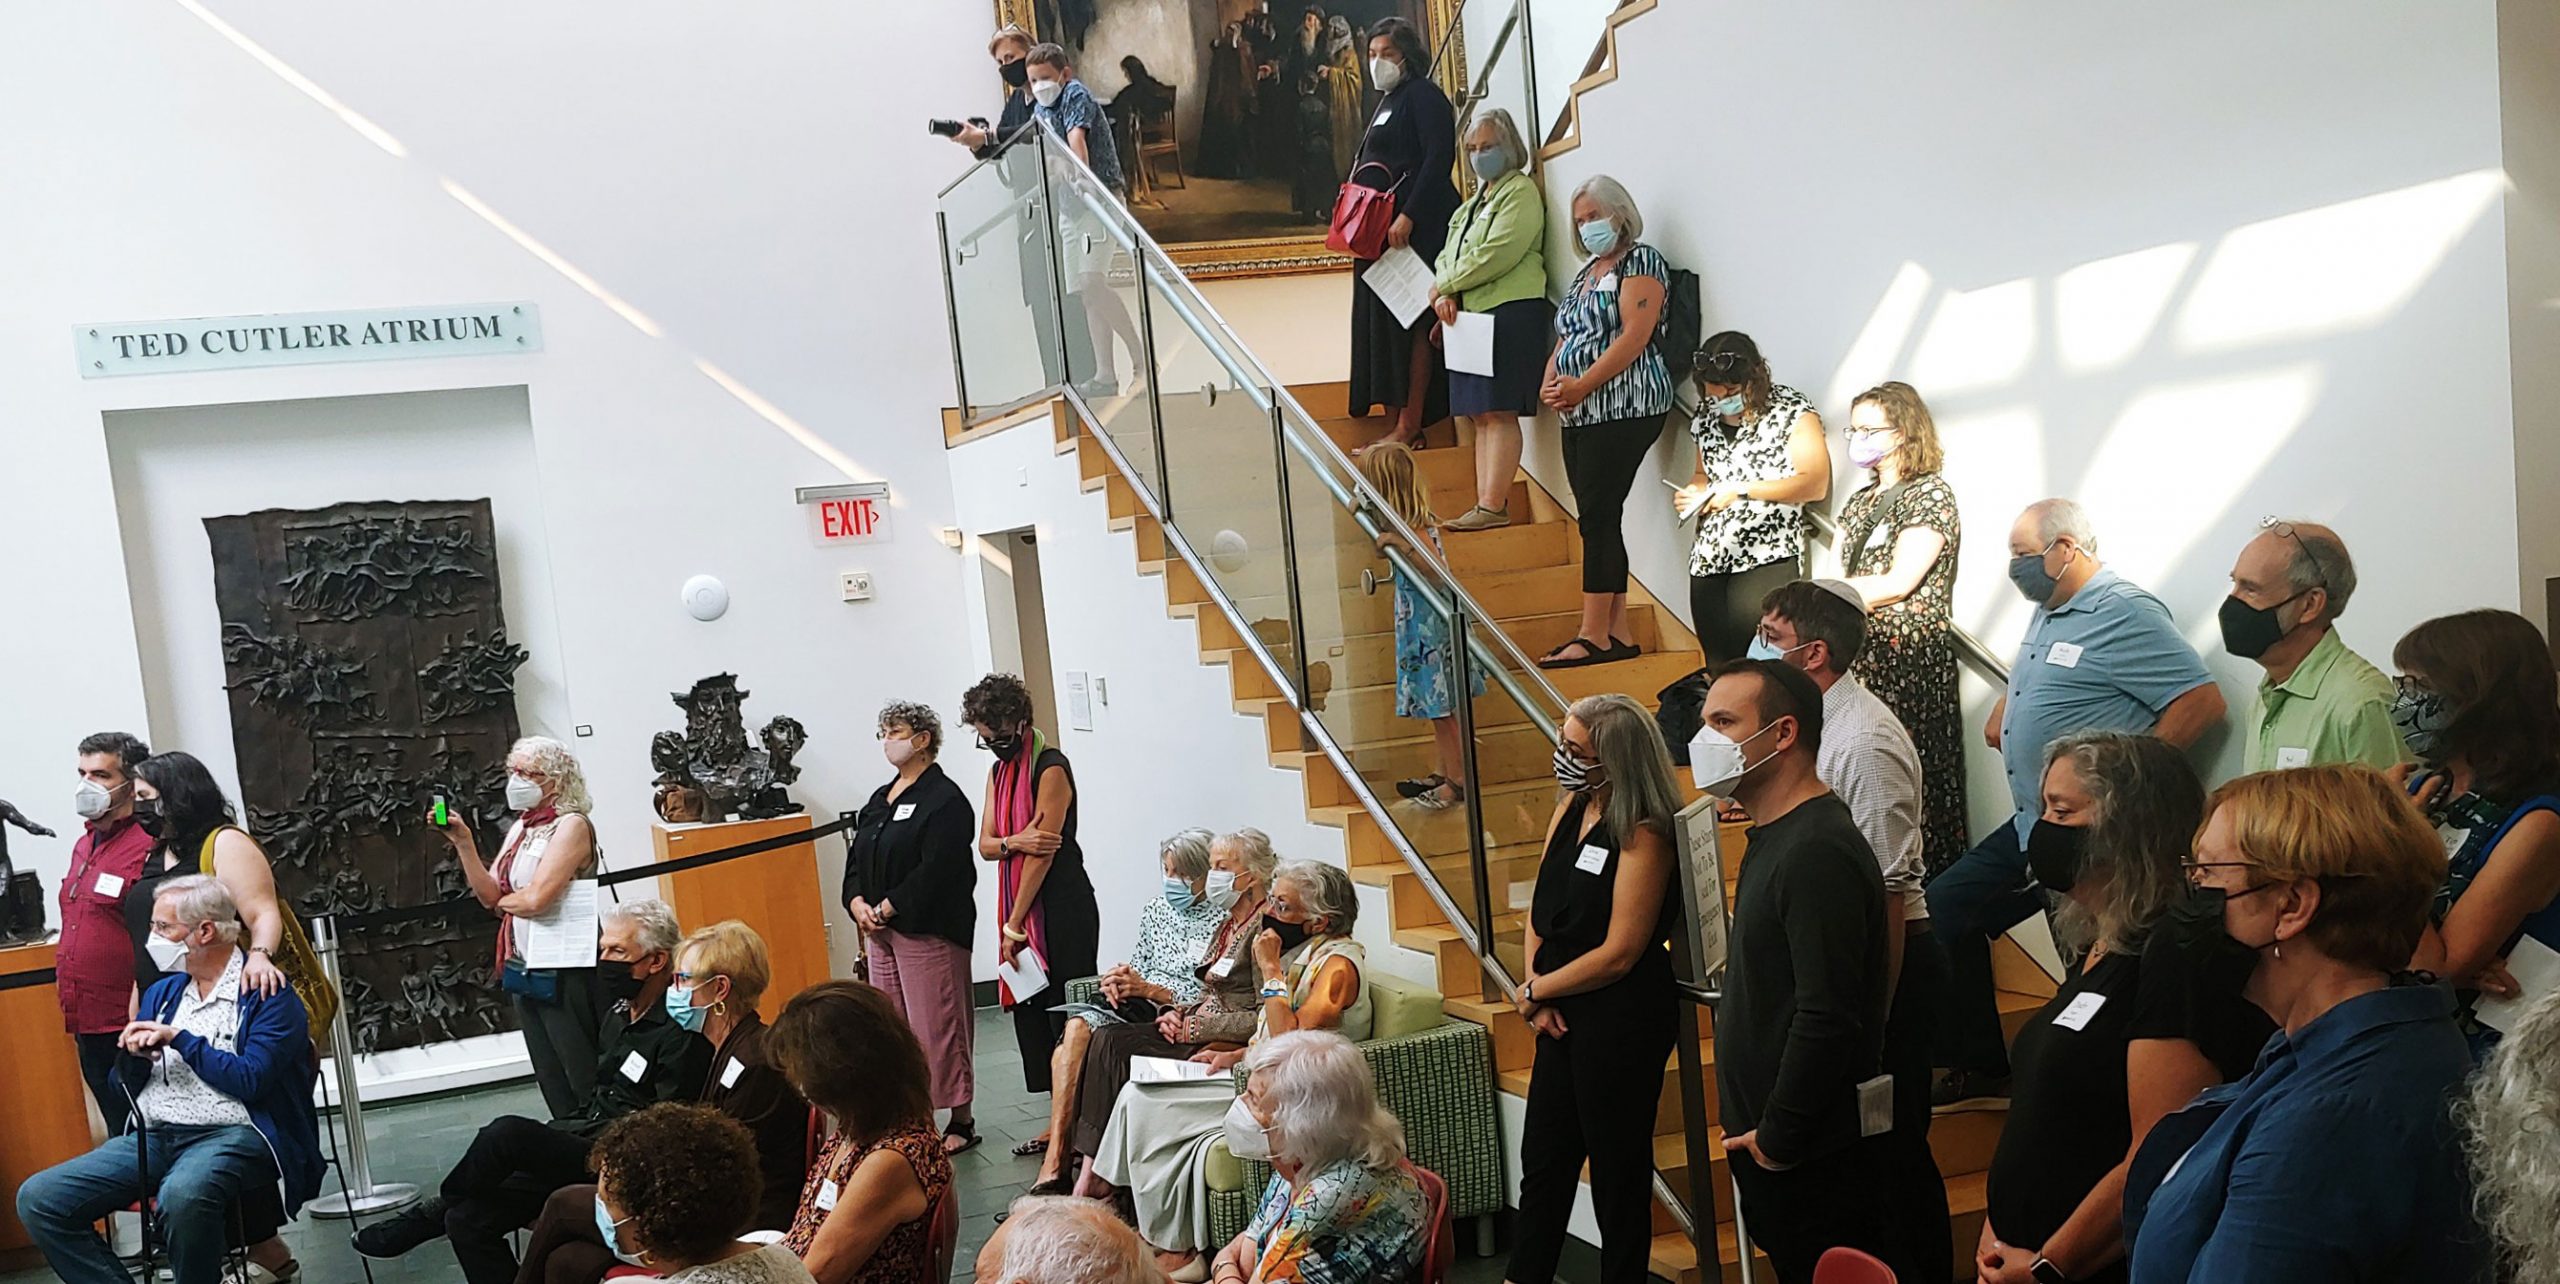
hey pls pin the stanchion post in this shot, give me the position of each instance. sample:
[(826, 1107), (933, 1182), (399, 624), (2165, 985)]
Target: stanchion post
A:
[(361, 1194)]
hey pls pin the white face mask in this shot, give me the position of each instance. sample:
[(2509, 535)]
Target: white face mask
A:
[(1046, 92), (1716, 760), (1387, 72), (166, 955), (1222, 888), (1246, 1137), (93, 800), (522, 794)]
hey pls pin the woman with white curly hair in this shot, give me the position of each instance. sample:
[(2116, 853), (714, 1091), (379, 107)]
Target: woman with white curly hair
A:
[(2511, 1127), (1343, 1203), (550, 846)]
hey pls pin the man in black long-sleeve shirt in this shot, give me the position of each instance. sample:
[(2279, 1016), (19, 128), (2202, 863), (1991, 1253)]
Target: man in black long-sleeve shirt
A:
[(1801, 1025)]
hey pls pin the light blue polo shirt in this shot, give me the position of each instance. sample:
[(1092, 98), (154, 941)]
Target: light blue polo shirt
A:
[(2109, 659)]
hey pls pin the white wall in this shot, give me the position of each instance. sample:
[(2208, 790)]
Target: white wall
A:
[(2191, 264), (2529, 102), (726, 218), (1298, 327)]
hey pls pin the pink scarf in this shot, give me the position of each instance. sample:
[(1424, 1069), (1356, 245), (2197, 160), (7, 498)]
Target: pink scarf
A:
[(1015, 785)]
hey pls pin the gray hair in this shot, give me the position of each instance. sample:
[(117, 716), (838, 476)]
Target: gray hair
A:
[(1641, 795), (553, 761), (1324, 892), (1061, 1239), (914, 717), (652, 922), (2508, 1120), (2055, 519), (1615, 206), (1324, 1101), (202, 898), (1254, 847), (1506, 137), (1190, 852), (2315, 558)]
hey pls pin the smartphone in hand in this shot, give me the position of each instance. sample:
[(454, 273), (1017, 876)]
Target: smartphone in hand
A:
[(440, 815)]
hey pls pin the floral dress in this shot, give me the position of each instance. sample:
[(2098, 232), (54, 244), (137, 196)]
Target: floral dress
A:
[(1346, 1223), (1422, 649), (1748, 533), (906, 1256), (1910, 657)]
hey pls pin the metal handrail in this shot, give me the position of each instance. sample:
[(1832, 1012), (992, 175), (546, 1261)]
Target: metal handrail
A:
[(1969, 648)]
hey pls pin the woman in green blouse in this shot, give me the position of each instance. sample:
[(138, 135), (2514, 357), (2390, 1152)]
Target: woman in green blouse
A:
[(1495, 264)]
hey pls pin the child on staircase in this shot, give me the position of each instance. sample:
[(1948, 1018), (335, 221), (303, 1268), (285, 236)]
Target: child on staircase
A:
[(1424, 648)]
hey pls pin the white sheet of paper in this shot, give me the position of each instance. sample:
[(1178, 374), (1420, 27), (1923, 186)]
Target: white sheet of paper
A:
[(2536, 968), (1469, 341), (1402, 281), (1025, 976), (2075, 1014), (1167, 1070), (565, 937)]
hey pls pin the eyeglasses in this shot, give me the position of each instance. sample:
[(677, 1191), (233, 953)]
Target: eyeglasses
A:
[(2284, 529), (2196, 868)]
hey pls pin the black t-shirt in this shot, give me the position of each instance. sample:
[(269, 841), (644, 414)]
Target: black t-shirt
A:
[(2069, 1120)]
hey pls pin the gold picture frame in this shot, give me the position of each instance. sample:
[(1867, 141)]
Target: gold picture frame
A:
[(1189, 213)]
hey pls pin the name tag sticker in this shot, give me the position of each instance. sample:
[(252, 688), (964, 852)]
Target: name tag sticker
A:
[(635, 1067), (2288, 758), (2064, 655), (828, 1193), (904, 810), (729, 1077), (1223, 968), (1875, 1106), (1877, 537), (2075, 1015), (1609, 282), (110, 885), (1592, 859), (1383, 118)]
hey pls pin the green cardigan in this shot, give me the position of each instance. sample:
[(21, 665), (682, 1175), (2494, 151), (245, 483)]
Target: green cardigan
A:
[(1503, 258)]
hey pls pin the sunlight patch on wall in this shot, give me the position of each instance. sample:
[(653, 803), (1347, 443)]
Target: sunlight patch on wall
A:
[(1870, 358), (2103, 312), (372, 133), (2340, 267), (2171, 468), (1977, 339)]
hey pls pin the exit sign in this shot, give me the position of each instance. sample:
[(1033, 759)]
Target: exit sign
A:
[(854, 513)]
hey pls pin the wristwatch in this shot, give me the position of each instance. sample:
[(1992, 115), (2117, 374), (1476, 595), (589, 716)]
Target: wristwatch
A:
[(2045, 1272)]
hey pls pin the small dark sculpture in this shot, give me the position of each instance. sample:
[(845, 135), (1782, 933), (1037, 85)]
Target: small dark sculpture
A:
[(470, 676), (679, 800), (712, 757), (303, 683), (21, 895)]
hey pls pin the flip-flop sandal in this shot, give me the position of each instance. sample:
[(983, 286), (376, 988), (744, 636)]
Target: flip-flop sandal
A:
[(1420, 785), (1592, 653), (1623, 650), (1053, 1186), (1035, 1146), (968, 1135), (1438, 801)]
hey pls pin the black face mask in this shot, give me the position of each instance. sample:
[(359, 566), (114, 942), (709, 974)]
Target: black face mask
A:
[(1004, 746), (2250, 631), (1292, 935), (1015, 72), (147, 813), (2217, 964), (2055, 852), (621, 984)]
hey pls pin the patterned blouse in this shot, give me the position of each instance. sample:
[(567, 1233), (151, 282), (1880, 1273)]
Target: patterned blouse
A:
[(1173, 943), (1749, 532), (906, 1256), (1346, 1224), (1587, 323)]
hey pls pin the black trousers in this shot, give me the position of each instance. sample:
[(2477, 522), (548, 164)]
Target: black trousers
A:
[(1592, 1095), (1917, 1192), (1797, 1214), (1725, 608), (1600, 464), (98, 1055), (498, 1187)]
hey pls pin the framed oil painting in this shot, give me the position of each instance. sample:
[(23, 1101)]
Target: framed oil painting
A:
[(1236, 119)]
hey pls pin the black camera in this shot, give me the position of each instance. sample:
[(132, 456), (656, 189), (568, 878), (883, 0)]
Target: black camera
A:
[(951, 128)]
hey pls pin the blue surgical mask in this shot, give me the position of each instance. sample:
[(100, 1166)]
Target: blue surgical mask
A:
[(606, 1226), (1763, 649), (1178, 894), (1598, 236), (680, 1009), (1728, 407), (1488, 164)]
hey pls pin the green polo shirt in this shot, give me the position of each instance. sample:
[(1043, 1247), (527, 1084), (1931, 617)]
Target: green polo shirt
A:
[(2335, 708)]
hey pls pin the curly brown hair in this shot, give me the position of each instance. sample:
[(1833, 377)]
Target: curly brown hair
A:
[(686, 1178), (850, 1052), (999, 702)]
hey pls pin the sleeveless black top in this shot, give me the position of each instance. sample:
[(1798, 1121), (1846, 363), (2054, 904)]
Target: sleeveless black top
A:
[(1572, 905)]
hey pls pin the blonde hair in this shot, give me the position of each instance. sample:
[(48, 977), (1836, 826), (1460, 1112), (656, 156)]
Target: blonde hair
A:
[(732, 949), (1008, 34), (1390, 470), (552, 761), (1907, 414), (2345, 827)]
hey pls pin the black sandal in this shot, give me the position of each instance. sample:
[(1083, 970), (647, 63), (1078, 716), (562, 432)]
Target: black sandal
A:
[(1035, 1146), (1420, 785), (1623, 650), (1592, 653), (966, 1132), (1054, 1186)]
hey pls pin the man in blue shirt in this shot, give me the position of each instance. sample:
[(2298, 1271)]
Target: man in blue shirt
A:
[(2100, 654)]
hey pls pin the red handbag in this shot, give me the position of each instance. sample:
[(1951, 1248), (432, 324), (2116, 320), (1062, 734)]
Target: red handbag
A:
[(1360, 217)]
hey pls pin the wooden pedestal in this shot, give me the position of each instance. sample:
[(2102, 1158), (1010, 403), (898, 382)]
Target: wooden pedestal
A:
[(776, 893), (48, 1112)]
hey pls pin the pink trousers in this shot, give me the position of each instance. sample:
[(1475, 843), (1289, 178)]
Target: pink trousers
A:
[(928, 978)]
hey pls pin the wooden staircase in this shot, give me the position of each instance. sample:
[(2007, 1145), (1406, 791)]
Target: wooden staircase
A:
[(1528, 577)]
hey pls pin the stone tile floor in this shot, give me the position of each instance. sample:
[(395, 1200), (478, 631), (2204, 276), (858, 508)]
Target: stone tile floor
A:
[(416, 1141)]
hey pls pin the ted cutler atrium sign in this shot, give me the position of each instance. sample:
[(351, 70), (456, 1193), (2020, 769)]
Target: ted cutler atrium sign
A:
[(303, 338)]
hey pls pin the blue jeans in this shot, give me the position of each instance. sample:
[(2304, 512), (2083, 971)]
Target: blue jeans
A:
[(1984, 894), (202, 1173)]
